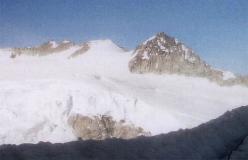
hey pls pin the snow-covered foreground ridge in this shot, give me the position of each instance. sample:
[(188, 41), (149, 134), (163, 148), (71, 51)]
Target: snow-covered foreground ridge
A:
[(39, 93), (224, 138)]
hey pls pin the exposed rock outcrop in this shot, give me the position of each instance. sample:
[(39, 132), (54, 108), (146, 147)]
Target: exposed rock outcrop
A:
[(102, 127), (163, 54), (84, 48), (219, 139), (45, 49)]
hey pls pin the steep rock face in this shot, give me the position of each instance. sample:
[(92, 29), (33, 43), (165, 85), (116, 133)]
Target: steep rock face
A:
[(102, 127), (164, 54)]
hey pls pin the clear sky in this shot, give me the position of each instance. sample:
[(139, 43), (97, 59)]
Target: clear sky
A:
[(216, 29)]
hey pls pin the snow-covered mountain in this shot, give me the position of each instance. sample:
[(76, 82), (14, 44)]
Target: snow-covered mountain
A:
[(40, 96)]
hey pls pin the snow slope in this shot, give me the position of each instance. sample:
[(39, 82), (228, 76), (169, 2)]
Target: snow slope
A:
[(38, 94)]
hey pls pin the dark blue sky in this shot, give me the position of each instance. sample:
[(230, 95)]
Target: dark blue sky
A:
[(216, 29)]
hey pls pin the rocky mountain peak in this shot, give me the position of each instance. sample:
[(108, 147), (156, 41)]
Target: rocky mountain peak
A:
[(164, 54), (161, 38), (164, 45)]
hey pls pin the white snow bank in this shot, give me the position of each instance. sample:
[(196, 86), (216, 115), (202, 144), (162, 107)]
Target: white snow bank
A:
[(53, 44), (228, 75), (149, 39)]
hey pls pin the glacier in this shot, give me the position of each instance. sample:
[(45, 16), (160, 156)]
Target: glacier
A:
[(39, 93)]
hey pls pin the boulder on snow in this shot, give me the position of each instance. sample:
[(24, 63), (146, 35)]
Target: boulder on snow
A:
[(102, 127), (223, 138)]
